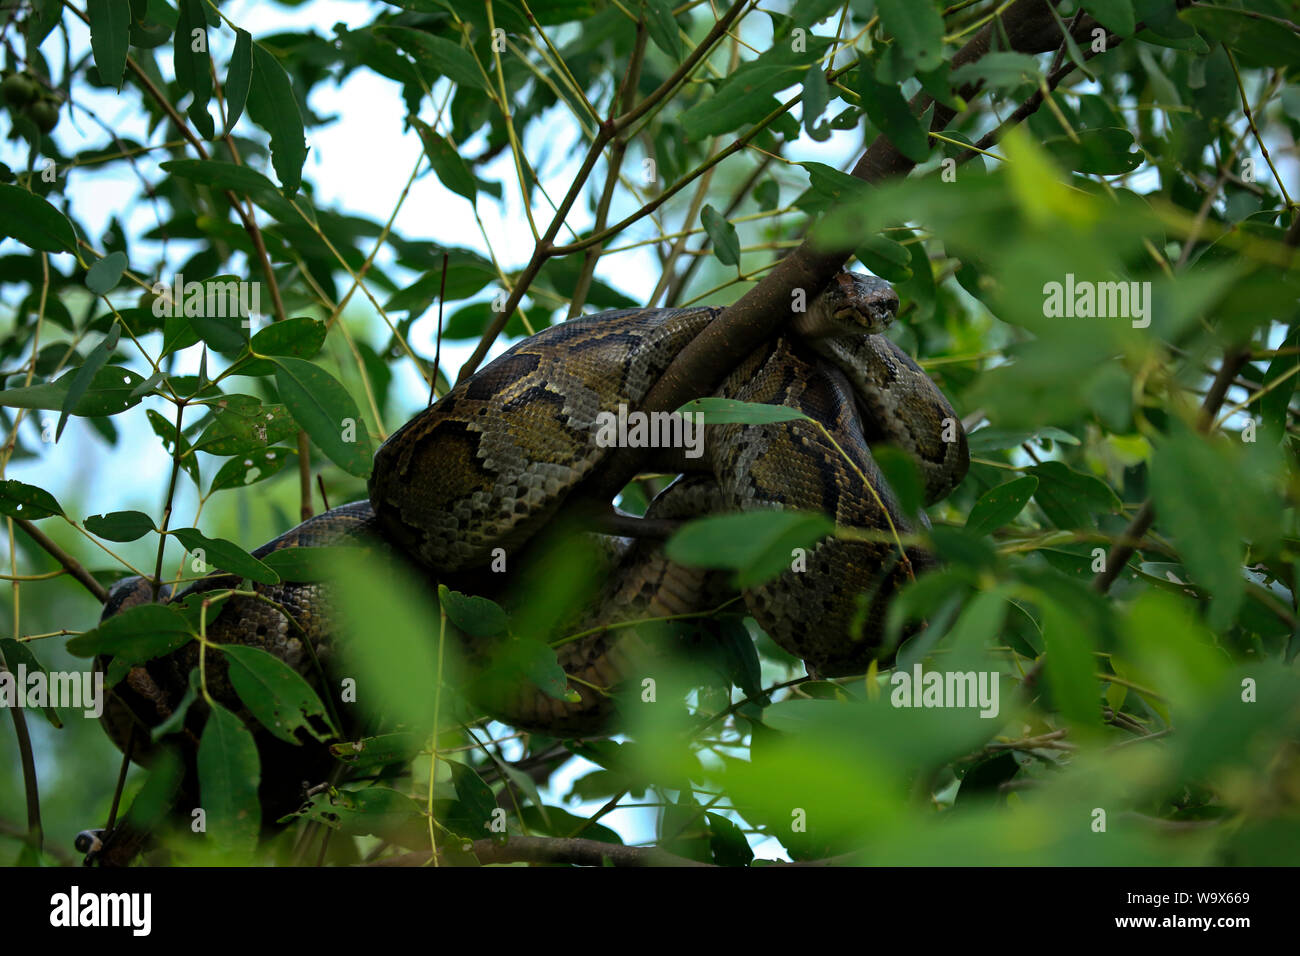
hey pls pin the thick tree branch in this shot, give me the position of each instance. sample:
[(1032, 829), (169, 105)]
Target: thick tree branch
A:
[(760, 312)]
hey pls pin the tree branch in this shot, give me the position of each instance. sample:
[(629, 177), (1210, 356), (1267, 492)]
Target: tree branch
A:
[(69, 563), (760, 312), (545, 248)]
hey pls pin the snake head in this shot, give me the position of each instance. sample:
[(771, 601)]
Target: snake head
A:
[(852, 303)]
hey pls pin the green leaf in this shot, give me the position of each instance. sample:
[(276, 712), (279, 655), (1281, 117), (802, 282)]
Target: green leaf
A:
[(980, 622), (468, 322), (828, 186), (148, 385), (229, 774), (889, 113), (556, 821), (202, 606), (85, 376), (19, 500), (1069, 498), (1001, 70), (984, 779), (251, 468), (225, 333), (304, 565), (103, 277), (902, 475), (1196, 506), (886, 258), (938, 83), (239, 77), (242, 425), (109, 393), (1115, 15), (276, 694), (475, 802), (391, 646), (175, 721), (238, 179), (1069, 666), (17, 653), (998, 439), (726, 244), (816, 94), (959, 548), (1049, 433), (371, 811), (1259, 42), (134, 636), (221, 175), (1106, 151), (999, 505), (746, 95), (1221, 737), (272, 106), (159, 793), (476, 616), (767, 194), (662, 27), (452, 171), (522, 659), (193, 67), (1281, 370), (727, 843), (1168, 648), (120, 525), (33, 221), (807, 12), (756, 544), (300, 337), (741, 659), (110, 26), (464, 279), (436, 56), (917, 27), (380, 751), (326, 412), (226, 555), (41, 21), (724, 411)]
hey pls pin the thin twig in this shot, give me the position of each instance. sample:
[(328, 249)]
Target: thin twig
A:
[(69, 563)]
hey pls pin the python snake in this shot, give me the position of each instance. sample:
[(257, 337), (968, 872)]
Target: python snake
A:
[(484, 470)]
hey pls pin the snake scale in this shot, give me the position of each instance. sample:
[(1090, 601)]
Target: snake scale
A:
[(502, 455)]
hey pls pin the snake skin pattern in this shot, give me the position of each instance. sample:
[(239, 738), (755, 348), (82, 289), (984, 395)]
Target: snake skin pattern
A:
[(494, 462)]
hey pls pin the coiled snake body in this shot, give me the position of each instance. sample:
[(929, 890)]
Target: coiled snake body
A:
[(498, 457)]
